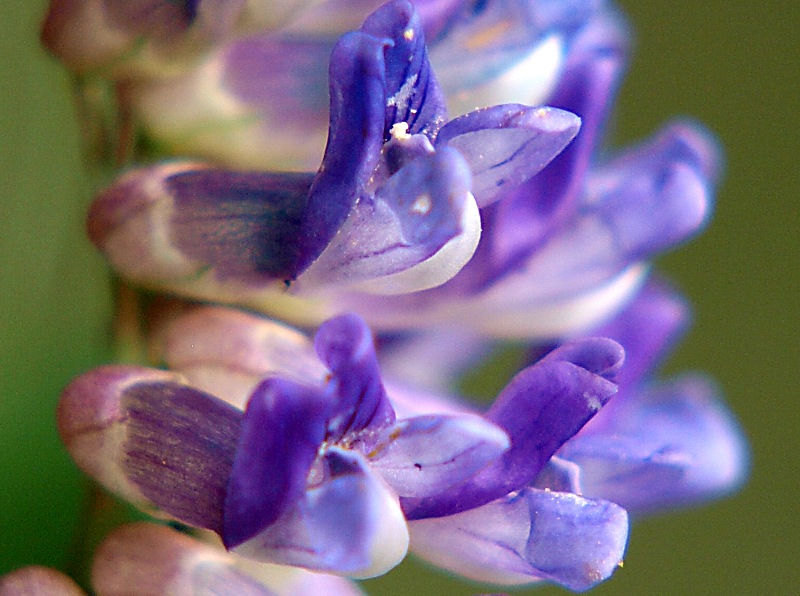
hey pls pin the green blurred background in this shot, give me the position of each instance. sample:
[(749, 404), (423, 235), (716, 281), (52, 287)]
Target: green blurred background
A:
[(731, 64)]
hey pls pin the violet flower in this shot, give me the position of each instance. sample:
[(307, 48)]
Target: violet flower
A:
[(312, 448), (393, 208), (280, 481)]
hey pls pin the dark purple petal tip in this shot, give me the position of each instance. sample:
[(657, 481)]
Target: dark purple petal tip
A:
[(345, 345), (282, 430)]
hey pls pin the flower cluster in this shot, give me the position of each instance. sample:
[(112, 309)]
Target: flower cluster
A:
[(459, 201)]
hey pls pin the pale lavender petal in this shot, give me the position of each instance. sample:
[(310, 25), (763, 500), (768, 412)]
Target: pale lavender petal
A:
[(159, 560), (427, 455), (454, 350), (357, 91), (528, 537), (345, 346), (281, 433), (35, 580), (347, 522), (148, 437), (669, 446), (412, 217), (507, 145), (541, 408)]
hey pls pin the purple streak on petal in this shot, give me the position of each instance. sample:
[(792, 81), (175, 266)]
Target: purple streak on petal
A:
[(672, 445), (527, 537), (507, 145), (646, 329), (243, 225), (179, 447), (412, 93), (409, 220), (357, 91), (523, 220), (541, 408), (282, 430), (345, 346), (427, 455)]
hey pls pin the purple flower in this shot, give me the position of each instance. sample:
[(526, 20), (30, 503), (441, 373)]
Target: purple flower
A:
[(280, 481), (336, 456), (394, 207)]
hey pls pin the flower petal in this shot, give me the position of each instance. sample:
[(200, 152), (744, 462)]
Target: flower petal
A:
[(672, 445), (227, 352), (148, 437), (282, 431), (427, 455), (507, 145), (646, 328), (527, 537), (389, 244), (256, 103), (498, 53), (357, 91), (158, 560), (168, 225), (412, 94), (594, 65), (348, 523), (541, 408), (345, 346)]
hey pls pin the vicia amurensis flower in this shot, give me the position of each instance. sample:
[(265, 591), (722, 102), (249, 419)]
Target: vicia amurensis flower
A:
[(396, 212), (324, 476), (411, 185)]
